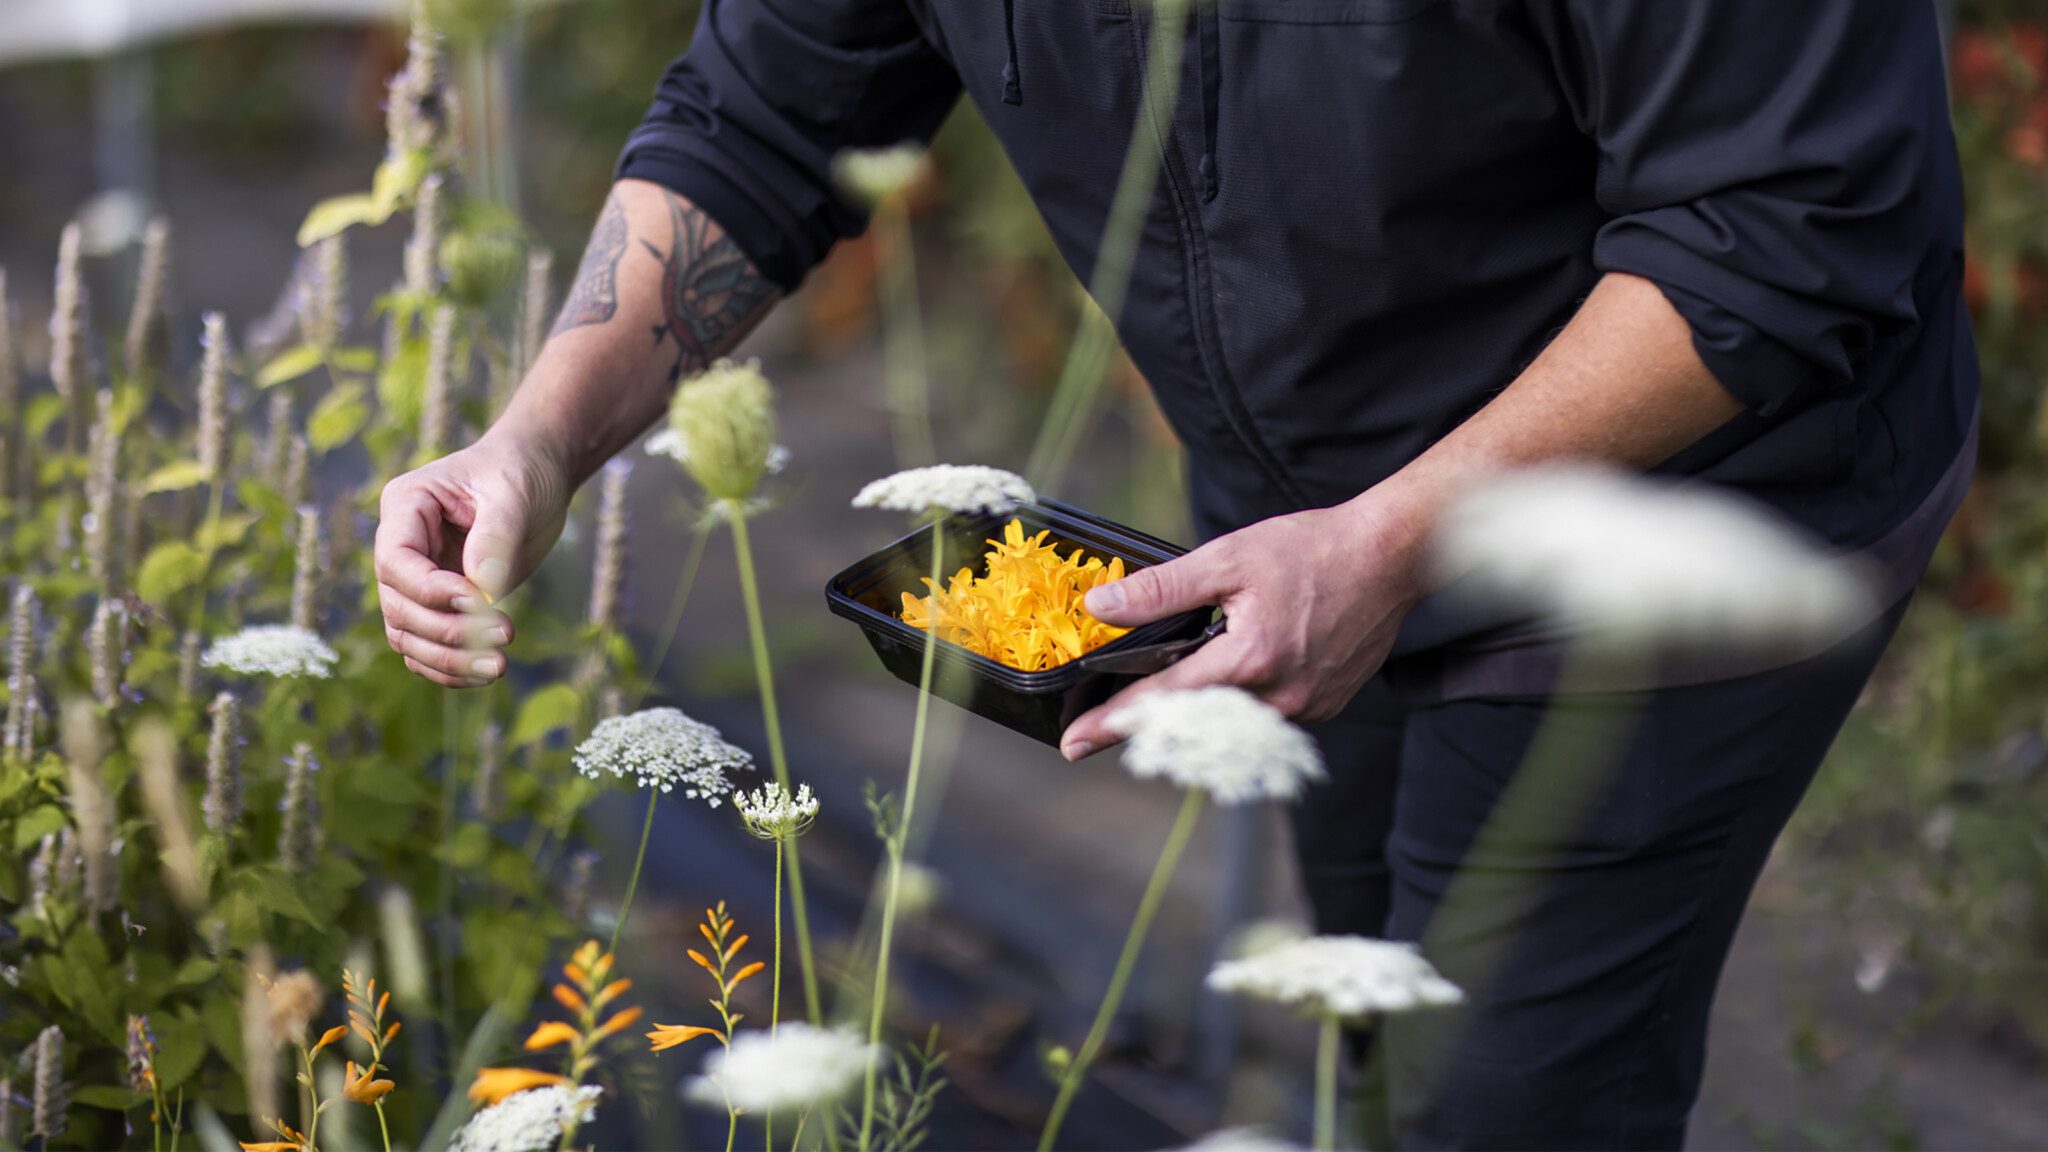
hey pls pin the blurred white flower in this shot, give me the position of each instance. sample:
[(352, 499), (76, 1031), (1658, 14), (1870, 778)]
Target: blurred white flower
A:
[(1632, 562), (1242, 1140), (948, 488), (272, 650), (871, 174), (528, 1121), (1223, 740), (797, 1066), (770, 812), (1348, 977), (662, 748)]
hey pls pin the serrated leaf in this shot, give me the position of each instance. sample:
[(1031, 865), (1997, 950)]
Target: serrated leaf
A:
[(170, 568), (334, 216), (555, 706), (338, 417), (276, 891), (175, 477), (290, 364)]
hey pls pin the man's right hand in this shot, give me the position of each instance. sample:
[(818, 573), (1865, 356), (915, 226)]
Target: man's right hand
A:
[(455, 535)]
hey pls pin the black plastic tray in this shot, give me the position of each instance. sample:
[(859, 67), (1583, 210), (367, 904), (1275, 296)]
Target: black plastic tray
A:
[(1038, 704)]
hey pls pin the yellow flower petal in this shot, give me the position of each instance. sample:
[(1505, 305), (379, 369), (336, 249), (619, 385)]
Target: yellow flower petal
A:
[(666, 1036), (551, 1033), (494, 1084)]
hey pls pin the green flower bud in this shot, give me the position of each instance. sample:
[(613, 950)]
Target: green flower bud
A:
[(725, 417)]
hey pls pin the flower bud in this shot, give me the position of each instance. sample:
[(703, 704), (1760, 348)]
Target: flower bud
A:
[(148, 340), (725, 417)]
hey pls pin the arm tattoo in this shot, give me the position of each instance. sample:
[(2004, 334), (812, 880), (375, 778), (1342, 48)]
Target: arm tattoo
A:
[(709, 289), (595, 297)]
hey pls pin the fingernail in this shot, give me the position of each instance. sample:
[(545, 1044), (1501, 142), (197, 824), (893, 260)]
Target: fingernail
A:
[(464, 604), (1077, 750), (490, 578), (485, 666), (1104, 598), (497, 635)]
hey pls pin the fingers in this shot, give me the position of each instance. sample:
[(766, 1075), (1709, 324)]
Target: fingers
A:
[(1215, 663), (1202, 578), (469, 666), (488, 628), (493, 547), (408, 529)]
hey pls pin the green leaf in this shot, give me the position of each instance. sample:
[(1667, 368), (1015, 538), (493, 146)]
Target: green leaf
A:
[(337, 418), (175, 477), (555, 706), (114, 1098), (356, 359), (335, 216), (290, 364), (41, 413), (180, 1046), (197, 970), (170, 568), (225, 532), (402, 383), (35, 824), (397, 180), (276, 891)]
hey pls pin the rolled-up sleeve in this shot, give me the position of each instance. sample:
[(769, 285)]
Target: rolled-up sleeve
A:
[(746, 123), (1766, 163)]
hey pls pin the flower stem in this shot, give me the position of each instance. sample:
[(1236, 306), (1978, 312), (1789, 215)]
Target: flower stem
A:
[(775, 981), (903, 334), (896, 836), (1326, 1084), (1134, 943), (675, 616), (383, 1128), (633, 881), (764, 673)]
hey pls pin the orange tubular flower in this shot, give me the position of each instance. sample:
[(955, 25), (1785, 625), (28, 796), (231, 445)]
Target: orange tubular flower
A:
[(666, 1036), (494, 1084), (550, 1033), (1026, 610), (617, 1024), (362, 1087)]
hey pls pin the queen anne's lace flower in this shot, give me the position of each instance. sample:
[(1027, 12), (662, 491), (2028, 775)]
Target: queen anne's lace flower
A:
[(796, 1066), (770, 812), (871, 174), (662, 748), (528, 1121), (1241, 1140), (1627, 561), (724, 421), (272, 650), (669, 442), (1349, 977), (947, 488), (1224, 740)]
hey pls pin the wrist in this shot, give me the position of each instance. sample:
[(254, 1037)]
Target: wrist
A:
[(537, 445), (1395, 521)]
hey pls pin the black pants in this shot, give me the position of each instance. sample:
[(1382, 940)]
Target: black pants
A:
[(1588, 925)]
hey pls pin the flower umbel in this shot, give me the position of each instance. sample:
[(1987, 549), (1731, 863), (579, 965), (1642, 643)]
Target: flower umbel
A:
[(725, 417), (799, 1066), (872, 174), (1027, 609), (946, 488), (770, 812), (662, 748), (272, 650), (1348, 977), (1223, 740), (529, 1121)]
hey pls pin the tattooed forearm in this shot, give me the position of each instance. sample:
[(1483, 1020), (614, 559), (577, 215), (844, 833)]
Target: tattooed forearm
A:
[(709, 289), (595, 297)]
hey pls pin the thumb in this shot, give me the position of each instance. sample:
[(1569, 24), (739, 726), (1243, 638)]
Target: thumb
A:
[(490, 554), (1200, 579)]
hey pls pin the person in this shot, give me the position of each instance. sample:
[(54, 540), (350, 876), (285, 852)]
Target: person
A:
[(1396, 246)]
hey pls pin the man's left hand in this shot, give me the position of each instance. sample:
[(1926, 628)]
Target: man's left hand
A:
[(1314, 600)]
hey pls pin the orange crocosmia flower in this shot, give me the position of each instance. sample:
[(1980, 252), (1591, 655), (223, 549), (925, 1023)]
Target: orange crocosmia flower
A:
[(569, 998), (551, 1033), (1026, 609), (610, 992), (494, 1084), (362, 1088), (617, 1024), (272, 1146), (331, 1036), (667, 1036)]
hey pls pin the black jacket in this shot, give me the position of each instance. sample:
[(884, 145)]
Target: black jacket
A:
[(1374, 213)]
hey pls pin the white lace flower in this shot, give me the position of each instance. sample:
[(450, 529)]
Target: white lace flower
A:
[(871, 174), (797, 1066), (528, 1121), (1349, 977), (1634, 563), (770, 812), (662, 748), (272, 650), (1224, 740), (1242, 1140), (948, 488)]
